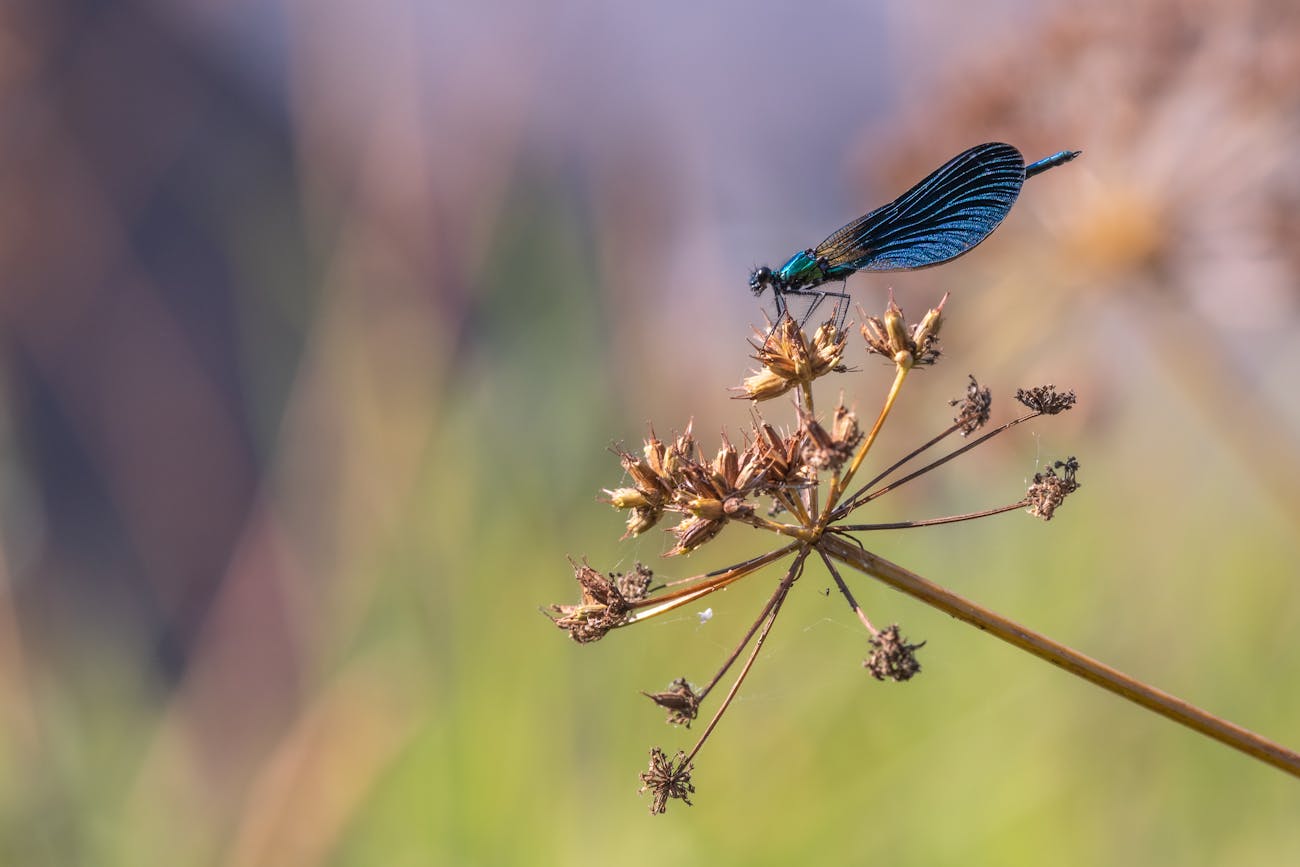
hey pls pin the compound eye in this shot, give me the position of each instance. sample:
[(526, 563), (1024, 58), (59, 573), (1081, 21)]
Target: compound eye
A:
[(760, 278)]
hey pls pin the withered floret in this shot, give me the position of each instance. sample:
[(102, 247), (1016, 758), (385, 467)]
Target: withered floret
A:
[(679, 700), (973, 412), (654, 477), (787, 358), (889, 335), (634, 585), (1049, 490), (826, 450), (602, 607), (667, 779), (1046, 399), (893, 658)]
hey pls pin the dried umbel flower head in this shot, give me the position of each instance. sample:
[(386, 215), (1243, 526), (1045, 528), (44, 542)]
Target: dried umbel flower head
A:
[(655, 475), (973, 412), (890, 337), (1046, 399), (681, 702), (828, 450), (788, 358), (1049, 490), (667, 779), (602, 607), (634, 585), (892, 657)]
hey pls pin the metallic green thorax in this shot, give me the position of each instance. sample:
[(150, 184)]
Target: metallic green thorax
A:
[(805, 269)]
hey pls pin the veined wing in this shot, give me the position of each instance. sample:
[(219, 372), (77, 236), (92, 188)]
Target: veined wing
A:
[(949, 212)]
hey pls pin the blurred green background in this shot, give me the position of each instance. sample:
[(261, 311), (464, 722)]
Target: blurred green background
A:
[(318, 321)]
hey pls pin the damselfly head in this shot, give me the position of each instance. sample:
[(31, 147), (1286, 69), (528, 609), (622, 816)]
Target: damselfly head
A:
[(759, 279)]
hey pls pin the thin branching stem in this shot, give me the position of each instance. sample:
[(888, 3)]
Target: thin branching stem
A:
[(711, 583), (793, 505), (746, 565), (884, 474), (771, 611), (929, 522), (848, 594), (1063, 657), (841, 483), (744, 642), (794, 531), (859, 498)]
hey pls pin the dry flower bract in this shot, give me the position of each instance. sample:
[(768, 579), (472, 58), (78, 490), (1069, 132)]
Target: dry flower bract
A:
[(1046, 399), (787, 358), (679, 700), (668, 778), (890, 337), (602, 607), (974, 408), (892, 658), (1049, 490)]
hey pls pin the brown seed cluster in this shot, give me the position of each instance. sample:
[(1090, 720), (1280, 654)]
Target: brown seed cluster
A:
[(829, 449), (1045, 399), (602, 608), (889, 336), (892, 657), (667, 778), (788, 358), (634, 585), (973, 413), (1049, 490), (681, 702), (709, 494)]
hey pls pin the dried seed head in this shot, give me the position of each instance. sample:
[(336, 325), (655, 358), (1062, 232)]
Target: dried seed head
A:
[(893, 658), (973, 413), (679, 700), (694, 531), (602, 608), (788, 358), (635, 585), (828, 348), (667, 779), (673, 478), (777, 461), (642, 519), (1045, 399), (1049, 490), (648, 496), (656, 477), (822, 449), (627, 498), (889, 335)]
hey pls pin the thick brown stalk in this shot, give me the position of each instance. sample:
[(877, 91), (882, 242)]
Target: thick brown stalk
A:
[(1061, 656)]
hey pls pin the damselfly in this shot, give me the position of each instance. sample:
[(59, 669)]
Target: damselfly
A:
[(953, 209)]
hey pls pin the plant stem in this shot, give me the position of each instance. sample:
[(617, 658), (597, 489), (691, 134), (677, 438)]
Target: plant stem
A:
[(767, 619), (1059, 655), (931, 522), (840, 484), (860, 496), (710, 583)]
